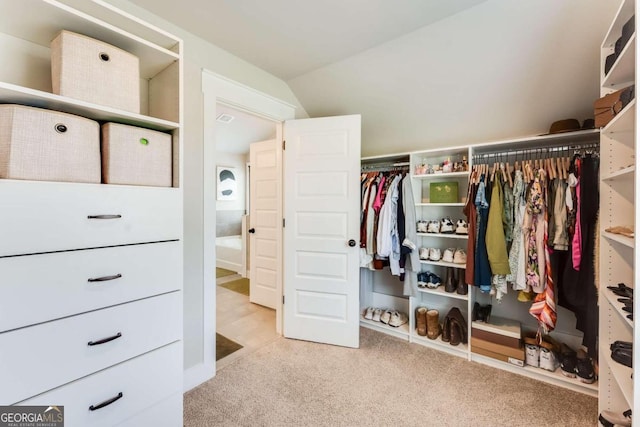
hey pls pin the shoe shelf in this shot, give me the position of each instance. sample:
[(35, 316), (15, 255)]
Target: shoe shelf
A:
[(622, 73), (441, 292), (461, 350), (622, 375), (617, 307), (626, 173), (623, 121), (442, 263), (401, 331), (440, 204), (442, 175), (446, 236), (623, 240)]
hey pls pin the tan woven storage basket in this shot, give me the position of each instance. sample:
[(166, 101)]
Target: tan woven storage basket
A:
[(45, 145), (135, 156), (90, 70)]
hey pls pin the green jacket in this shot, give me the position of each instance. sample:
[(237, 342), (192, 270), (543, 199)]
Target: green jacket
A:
[(495, 239)]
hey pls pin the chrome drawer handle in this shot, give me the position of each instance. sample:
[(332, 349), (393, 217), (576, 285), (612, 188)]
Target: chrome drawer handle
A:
[(104, 216), (105, 278), (106, 402), (105, 340)]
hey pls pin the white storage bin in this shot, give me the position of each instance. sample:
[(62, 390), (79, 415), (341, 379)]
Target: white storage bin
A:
[(90, 70), (45, 145), (135, 156)]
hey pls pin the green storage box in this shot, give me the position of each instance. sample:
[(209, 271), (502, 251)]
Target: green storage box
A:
[(443, 192)]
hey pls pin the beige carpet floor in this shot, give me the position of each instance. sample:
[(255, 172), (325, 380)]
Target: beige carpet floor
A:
[(385, 382)]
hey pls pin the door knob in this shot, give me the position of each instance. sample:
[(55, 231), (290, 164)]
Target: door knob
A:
[(252, 230), (352, 243)]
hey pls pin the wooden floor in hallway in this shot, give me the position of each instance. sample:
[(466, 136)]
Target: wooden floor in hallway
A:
[(250, 325)]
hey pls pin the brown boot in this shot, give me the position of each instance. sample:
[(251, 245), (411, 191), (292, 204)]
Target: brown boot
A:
[(421, 321), (433, 324), (461, 288), (450, 280), (455, 315), (456, 332)]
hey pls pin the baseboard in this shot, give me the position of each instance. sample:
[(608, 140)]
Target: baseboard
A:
[(197, 375)]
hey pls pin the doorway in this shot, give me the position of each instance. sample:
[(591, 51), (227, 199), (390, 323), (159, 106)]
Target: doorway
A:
[(242, 324)]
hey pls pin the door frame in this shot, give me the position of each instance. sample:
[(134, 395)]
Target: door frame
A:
[(218, 89)]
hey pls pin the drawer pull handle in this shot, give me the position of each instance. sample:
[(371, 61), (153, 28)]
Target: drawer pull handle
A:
[(104, 216), (106, 402), (105, 278), (105, 340)]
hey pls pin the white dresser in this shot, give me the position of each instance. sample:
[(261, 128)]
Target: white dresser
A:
[(91, 274)]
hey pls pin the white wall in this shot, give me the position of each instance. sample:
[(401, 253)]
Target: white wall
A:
[(500, 69), (201, 55), (237, 161)]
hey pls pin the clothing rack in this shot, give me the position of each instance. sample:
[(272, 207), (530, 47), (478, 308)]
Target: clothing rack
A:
[(537, 153), (385, 167)]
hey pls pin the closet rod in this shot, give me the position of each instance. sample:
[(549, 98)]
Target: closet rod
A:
[(540, 151), (382, 167)]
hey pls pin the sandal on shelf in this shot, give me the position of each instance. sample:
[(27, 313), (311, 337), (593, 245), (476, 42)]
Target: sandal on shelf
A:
[(625, 231)]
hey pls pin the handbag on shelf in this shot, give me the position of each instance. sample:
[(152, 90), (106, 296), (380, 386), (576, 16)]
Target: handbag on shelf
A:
[(607, 107)]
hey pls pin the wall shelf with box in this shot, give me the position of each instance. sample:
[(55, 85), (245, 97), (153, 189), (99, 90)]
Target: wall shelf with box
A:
[(105, 233)]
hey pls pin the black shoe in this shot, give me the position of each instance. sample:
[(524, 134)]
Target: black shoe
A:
[(568, 361), (584, 368), (613, 419), (626, 301), (623, 356), (627, 309), (621, 344), (630, 317)]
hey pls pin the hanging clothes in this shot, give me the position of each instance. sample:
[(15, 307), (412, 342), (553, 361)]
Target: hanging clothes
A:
[(388, 244), (482, 275), (517, 274), (472, 216), (495, 241), (534, 234), (412, 262)]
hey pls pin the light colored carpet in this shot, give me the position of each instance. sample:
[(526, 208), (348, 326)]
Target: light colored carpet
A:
[(240, 286), (221, 272), (385, 382)]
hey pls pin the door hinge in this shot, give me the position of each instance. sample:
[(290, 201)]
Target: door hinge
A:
[(284, 144), (282, 299), (282, 222)]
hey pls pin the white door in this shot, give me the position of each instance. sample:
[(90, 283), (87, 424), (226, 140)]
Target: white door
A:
[(265, 229), (321, 234)]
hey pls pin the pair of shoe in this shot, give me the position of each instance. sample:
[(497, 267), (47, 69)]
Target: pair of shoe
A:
[(389, 317), (430, 254), (622, 290), (427, 279), (615, 419), (444, 226), (542, 354), (428, 323), (578, 364), (622, 352), (454, 281), (454, 329), (627, 304), (456, 256), (481, 313)]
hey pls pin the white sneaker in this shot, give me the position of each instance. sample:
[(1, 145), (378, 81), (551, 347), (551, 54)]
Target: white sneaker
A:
[(460, 257), (421, 226), (376, 314), (398, 318), (435, 254), (384, 318), (462, 227), (368, 313), (532, 355), (424, 253), (446, 226), (548, 359), (447, 256), (433, 227)]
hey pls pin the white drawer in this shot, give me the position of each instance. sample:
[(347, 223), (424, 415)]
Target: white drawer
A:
[(57, 285), (143, 382), (41, 217), (45, 356), (167, 413)]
